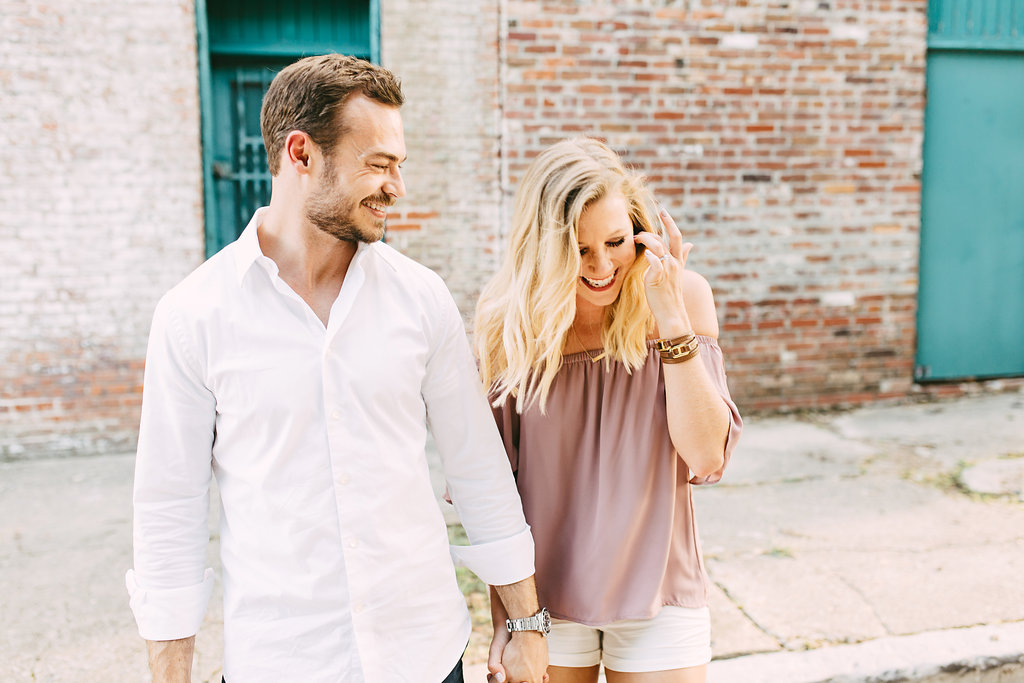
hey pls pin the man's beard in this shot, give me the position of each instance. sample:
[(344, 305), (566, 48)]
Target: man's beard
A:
[(337, 215)]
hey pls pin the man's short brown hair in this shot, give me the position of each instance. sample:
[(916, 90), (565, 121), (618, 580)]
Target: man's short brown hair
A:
[(310, 95)]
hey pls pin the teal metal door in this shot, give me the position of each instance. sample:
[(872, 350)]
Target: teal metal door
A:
[(971, 296), (242, 46), (241, 181)]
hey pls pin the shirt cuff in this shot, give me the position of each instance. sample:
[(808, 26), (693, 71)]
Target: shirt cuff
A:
[(169, 613), (498, 563)]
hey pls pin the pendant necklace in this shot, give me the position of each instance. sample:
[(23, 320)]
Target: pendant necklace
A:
[(593, 359)]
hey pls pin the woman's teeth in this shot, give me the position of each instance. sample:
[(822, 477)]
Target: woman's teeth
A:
[(598, 284)]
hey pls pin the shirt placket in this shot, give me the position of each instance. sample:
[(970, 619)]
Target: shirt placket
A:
[(340, 375), (337, 398)]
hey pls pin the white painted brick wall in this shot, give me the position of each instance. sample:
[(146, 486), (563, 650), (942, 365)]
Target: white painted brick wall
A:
[(446, 53), (102, 210)]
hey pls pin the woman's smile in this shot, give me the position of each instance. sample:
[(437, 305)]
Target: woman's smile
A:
[(600, 285)]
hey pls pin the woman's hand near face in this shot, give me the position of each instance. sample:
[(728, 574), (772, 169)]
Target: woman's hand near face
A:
[(664, 281)]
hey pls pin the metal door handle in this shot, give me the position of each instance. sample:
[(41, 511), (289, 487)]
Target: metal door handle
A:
[(222, 170)]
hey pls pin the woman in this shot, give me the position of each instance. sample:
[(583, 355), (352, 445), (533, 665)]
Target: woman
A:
[(599, 351)]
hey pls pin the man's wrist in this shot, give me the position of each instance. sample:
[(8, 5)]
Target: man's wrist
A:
[(539, 622), (170, 661), (527, 635)]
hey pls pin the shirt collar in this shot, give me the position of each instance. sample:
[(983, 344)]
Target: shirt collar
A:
[(247, 247)]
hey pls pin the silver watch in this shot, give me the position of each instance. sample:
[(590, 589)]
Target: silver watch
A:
[(541, 621)]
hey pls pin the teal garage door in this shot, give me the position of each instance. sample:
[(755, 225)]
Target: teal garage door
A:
[(971, 296), (242, 45)]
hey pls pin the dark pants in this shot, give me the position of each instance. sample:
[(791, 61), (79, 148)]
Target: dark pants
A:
[(454, 677)]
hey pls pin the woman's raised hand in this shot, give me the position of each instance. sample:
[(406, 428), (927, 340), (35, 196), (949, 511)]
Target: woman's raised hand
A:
[(664, 279)]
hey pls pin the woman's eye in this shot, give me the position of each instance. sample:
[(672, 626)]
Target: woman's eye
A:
[(617, 243), (381, 167), (582, 252)]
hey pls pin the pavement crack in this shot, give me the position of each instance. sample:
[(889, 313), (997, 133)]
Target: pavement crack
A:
[(747, 615), (856, 589), (769, 482)]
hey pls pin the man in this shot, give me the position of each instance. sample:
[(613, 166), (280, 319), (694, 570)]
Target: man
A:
[(302, 365)]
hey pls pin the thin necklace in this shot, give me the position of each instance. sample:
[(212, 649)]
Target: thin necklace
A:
[(572, 326)]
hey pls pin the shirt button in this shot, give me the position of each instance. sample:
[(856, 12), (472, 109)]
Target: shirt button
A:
[(353, 543), (335, 414), (358, 608), (343, 479)]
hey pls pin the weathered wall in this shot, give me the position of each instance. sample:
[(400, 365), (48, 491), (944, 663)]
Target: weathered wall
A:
[(784, 137), (102, 211), (446, 52)]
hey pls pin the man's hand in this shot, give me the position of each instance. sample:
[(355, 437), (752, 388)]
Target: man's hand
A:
[(526, 658), (523, 657), (170, 661)]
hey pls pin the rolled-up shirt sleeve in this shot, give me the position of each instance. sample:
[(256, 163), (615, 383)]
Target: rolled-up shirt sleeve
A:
[(169, 586), (476, 468), (498, 563)]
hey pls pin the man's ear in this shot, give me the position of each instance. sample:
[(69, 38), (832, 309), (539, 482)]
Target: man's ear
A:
[(298, 147)]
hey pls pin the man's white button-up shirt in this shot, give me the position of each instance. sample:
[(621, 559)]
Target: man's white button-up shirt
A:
[(335, 555)]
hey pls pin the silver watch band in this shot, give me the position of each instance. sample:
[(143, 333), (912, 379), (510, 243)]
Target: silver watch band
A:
[(541, 621)]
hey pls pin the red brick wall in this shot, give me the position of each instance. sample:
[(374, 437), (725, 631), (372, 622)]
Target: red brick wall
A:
[(785, 139)]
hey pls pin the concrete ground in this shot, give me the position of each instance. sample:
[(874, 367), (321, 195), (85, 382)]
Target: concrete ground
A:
[(897, 527), (882, 544)]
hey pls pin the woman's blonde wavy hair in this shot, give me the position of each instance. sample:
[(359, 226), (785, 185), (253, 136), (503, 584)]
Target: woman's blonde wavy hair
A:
[(526, 310)]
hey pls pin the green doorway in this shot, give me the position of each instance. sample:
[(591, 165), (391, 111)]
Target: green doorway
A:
[(971, 294), (242, 45)]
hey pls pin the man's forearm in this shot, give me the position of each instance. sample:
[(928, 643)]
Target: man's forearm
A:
[(170, 661), (524, 657), (519, 599)]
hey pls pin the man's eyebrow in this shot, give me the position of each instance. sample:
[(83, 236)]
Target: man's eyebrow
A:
[(389, 156)]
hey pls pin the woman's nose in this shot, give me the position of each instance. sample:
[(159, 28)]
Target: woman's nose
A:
[(600, 262)]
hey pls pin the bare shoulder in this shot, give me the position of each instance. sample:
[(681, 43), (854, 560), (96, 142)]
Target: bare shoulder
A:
[(700, 304)]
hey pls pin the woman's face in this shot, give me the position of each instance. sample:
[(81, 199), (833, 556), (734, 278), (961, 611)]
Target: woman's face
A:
[(607, 250)]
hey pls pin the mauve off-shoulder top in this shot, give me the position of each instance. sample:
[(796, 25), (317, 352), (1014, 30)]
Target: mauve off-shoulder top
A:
[(605, 493)]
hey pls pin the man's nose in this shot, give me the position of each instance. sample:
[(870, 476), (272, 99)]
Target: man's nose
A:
[(395, 185)]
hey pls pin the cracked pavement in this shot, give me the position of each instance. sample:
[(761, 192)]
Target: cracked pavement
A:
[(839, 528)]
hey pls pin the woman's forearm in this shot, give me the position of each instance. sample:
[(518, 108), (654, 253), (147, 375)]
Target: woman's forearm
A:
[(698, 418)]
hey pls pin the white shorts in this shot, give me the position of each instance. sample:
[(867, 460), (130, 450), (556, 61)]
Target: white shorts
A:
[(676, 638)]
